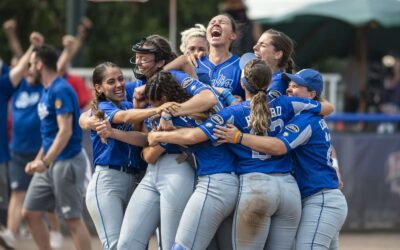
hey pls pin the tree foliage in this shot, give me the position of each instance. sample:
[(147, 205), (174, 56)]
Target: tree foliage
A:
[(116, 26)]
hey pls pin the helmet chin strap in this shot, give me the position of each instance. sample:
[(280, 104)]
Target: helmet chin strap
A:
[(142, 75)]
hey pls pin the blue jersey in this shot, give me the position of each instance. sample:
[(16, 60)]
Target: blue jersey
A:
[(6, 91), (26, 137), (193, 86), (308, 137), (115, 152), (224, 75), (278, 85), (282, 110), (58, 99), (210, 159), (130, 88), (152, 124)]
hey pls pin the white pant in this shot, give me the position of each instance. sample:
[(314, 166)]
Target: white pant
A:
[(213, 201), (322, 218), (107, 197), (269, 206), (159, 200)]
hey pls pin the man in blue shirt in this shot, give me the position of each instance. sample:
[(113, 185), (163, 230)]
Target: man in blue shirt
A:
[(59, 168), (5, 94)]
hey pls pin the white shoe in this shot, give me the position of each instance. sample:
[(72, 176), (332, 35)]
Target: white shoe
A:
[(7, 239), (56, 239)]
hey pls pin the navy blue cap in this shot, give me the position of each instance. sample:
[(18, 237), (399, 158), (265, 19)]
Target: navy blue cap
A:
[(309, 78), (245, 58)]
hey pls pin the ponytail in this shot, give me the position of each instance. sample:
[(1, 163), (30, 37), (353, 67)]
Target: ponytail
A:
[(290, 67), (260, 115)]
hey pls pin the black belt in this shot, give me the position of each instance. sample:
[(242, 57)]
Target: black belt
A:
[(126, 169)]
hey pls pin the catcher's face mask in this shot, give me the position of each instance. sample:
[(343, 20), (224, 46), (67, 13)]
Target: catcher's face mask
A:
[(146, 55)]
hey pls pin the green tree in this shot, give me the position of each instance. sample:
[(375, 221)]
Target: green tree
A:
[(116, 26)]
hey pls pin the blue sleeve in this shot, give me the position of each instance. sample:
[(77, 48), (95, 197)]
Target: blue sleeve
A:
[(6, 86), (4, 69), (191, 85), (301, 105), (110, 109), (296, 132), (62, 99), (221, 118)]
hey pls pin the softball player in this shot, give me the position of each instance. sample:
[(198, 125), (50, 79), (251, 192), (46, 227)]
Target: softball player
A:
[(276, 49), (164, 191), (216, 191), (117, 163), (220, 64), (307, 136), (269, 200), (324, 206)]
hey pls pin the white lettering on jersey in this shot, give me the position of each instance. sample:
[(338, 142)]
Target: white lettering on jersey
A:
[(42, 111), (222, 82), (277, 111), (24, 100)]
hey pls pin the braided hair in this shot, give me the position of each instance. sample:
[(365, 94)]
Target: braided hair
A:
[(163, 84)]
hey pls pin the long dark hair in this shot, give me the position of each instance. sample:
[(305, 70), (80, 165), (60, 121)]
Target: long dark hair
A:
[(97, 79), (163, 84), (284, 43)]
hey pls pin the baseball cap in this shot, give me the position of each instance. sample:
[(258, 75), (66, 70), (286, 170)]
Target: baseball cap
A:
[(245, 58), (309, 78)]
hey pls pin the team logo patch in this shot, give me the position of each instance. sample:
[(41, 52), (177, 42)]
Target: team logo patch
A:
[(217, 119), (292, 128), (58, 103), (186, 82), (274, 94)]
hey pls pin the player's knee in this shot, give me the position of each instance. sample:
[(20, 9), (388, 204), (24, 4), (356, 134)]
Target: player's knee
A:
[(177, 246)]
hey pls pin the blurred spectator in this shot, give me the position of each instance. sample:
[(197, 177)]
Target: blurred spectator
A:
[(391, 90), (71, 47), (391, 97), (10, 30), (248, 31)]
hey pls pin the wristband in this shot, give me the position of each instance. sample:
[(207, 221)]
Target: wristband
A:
[(240, 138), (237, 136), (166, 118), (227, 97)]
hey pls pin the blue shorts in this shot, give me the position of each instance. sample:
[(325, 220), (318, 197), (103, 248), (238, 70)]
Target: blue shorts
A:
[(19, 180)]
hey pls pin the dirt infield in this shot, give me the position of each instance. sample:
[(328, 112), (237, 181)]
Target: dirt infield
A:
[(370, 241)]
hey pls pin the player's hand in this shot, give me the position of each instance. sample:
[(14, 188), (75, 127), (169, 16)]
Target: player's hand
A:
[(10, 26), (35, 166), (36, 39), (238, 98), (104, 130), (170, 107), (226, 134), (85, 25), (165, 125), (152, 138), (139, 101), (69, 41), (192, 57)]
